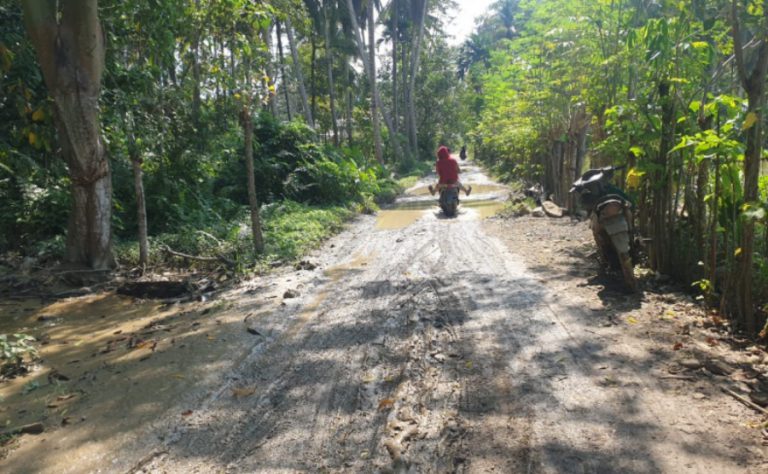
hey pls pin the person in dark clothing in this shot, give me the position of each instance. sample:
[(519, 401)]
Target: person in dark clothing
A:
[(463, 153), (448, 170)]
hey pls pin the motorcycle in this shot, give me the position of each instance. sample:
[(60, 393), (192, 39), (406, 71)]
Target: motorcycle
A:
[(449, 200), (610, 213)]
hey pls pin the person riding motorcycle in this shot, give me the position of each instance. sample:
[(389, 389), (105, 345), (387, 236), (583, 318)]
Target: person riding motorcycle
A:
[(448, 171)]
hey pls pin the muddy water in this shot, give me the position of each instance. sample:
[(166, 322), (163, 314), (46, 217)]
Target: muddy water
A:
[(485, 200), (108, 365), (405, 213), (485, 208), (338, 272), (335, 274), (397, 219), (70, 334), (476, 189)]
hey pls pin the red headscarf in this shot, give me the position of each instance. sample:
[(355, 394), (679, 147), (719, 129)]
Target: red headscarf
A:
[(446, 167)]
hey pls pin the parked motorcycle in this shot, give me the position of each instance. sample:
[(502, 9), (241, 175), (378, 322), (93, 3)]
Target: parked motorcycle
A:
[(449, 200), (610, 214)]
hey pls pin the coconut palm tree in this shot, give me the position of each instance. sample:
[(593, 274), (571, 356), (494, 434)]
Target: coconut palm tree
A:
[(369, 62), (299, 74)]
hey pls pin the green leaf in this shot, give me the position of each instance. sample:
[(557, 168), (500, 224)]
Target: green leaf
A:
[(694, 106), (749, 121)]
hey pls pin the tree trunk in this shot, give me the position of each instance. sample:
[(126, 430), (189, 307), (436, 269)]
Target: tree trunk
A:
[(660, 196), (331, 85), (753, 82), (196, 102), (415, 57), (299, 75), (134, 153), (395, 17), (374, 84), (702, 178), (367, 66), (713, 230), (404, 86), (282, 68), (232, 62), (348, 84), (269, 67), (70, 48), (752, 156), (220, 84), (141, 210), (312, 67), (247, 123)]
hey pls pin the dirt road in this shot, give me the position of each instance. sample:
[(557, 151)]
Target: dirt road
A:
[(424, 344)]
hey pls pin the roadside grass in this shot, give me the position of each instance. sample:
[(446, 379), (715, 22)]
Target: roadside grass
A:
[(290, 230), (517, 207), (408, 181), (417, 170)]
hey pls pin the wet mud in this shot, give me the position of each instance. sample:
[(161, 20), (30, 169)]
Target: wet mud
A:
[(424, 345), (417, 203)]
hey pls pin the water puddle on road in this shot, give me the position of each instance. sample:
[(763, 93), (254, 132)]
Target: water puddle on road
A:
[(405, 213), (396, 219), (402, 214), (338, 272), (335, 273), (485, 208), (75, 336), (476, 189)]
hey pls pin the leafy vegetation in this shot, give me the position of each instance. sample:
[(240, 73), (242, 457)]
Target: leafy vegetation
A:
[(671, 90), (540, 91), (16, 352), (178, 77)]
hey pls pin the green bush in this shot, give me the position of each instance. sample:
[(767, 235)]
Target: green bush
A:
[(291, 229), (16, 352), (32, 211)]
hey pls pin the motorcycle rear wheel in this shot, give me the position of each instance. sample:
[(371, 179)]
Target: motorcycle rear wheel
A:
[(628, 272), (450, 210)]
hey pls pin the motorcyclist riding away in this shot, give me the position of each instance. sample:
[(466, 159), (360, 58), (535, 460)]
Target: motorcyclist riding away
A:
[(448, 170)]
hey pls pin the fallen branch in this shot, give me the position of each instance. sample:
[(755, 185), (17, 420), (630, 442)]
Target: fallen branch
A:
[(86, 290), (32, 428), (147, 459), (78, 271), (677, 377), (206, 234), (217, 258), (744, 400)]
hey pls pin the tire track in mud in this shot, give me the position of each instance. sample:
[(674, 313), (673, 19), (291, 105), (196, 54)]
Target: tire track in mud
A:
[(431, 349), (366, 371), (401, 364)]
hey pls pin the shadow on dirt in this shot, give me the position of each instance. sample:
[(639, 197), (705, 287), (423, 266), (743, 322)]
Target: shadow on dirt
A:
[(343, 355), (110, 365), (310, 370)]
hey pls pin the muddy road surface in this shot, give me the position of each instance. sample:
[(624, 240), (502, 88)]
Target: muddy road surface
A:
[(425, 344)]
